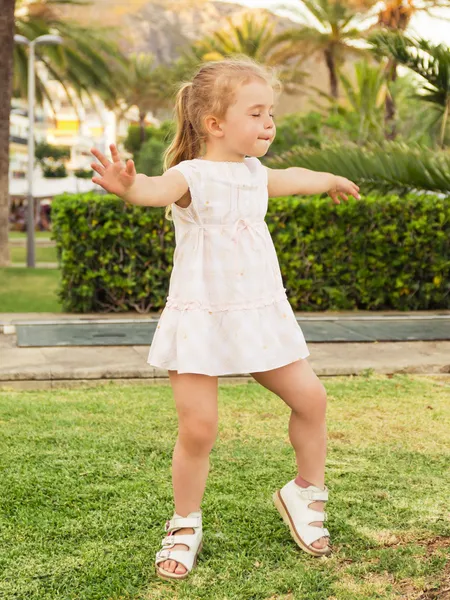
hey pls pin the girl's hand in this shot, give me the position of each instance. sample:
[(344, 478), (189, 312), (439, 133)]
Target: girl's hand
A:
[(116, 176), (343, 187)]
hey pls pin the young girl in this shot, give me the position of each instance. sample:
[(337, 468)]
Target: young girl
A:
[(227, 311)]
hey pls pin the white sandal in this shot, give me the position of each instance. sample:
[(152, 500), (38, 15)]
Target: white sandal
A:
[(292, 502), (187, 558)]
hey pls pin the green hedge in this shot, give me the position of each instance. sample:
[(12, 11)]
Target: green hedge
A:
[(381, 253)]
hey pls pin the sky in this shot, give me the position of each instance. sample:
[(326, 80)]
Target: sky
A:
[(436, 30)]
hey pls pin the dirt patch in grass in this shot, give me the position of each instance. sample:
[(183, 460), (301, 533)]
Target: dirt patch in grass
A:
[(435, 591), (385, 584)]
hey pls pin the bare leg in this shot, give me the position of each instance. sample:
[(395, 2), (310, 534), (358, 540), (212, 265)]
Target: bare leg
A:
[(300, 388), (308, 436), (196, 403)]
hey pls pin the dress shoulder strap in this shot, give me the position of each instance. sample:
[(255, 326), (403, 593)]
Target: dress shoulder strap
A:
[(189, 169), (257, 168)]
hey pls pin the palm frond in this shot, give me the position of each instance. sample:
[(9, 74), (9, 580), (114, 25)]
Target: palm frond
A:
[(430, 62), (393, 166)]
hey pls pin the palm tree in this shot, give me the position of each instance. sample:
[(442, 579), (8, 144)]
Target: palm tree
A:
[(431, 62), (333, 27), (253, 37), (396, 15), (89, 60), (147, 87), (6, 67)]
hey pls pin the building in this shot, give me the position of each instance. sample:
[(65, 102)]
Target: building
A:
[(81, 128)]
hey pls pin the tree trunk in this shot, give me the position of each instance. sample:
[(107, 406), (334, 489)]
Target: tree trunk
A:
[(6, 72), (330, 61), (390, 129)]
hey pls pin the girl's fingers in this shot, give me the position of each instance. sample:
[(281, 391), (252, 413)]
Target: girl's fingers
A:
[(130, 167), (98, 168), (344, 196), (101, 157), (114, 153)]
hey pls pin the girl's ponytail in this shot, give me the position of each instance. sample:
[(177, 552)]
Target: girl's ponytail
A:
[(186, 143)]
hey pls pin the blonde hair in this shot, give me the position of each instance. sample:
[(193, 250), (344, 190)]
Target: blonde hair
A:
[(211, 91)]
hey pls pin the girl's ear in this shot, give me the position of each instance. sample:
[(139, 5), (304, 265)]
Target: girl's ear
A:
[(213, 126)]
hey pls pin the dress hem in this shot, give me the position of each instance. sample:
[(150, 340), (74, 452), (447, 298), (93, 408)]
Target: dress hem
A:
[(239, 372)]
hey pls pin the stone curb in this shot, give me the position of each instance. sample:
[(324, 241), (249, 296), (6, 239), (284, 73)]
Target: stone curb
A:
[(54, 384), (154, 375)]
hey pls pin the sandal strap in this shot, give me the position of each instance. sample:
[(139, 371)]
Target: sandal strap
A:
[(313, 493), (311, 533), (181, 556), (171, 540), (312, 515), (181, 522)]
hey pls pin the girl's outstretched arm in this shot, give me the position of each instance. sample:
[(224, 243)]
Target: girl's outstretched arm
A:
[(121, 179), (160, 190), (296, 180)]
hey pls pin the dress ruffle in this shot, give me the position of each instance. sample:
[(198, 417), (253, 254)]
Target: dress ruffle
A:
[(248, 305), (225, 343)]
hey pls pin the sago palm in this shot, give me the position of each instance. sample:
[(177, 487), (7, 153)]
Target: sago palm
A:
[(390, 166), (365, 96)]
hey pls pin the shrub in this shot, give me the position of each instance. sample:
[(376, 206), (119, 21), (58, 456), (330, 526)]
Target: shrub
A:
[(380, 253)]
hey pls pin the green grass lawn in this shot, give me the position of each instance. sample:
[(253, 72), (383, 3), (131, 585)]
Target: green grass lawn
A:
[(19, 254), (29, 290), (86, 490), (23, 234)]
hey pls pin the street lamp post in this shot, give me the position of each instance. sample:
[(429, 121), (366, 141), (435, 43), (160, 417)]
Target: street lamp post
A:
[(42, 39)]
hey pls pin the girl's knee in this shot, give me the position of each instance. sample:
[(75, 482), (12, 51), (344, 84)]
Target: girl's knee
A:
[(313, 403), (198, 435)]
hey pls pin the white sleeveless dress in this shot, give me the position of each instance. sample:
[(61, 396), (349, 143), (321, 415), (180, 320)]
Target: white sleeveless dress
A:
[(227, 311)]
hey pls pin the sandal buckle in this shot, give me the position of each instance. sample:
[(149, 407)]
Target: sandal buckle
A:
[(164, 553), (306, 494)]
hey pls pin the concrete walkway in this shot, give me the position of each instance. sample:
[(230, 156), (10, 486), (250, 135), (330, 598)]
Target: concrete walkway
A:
[(55, 367)]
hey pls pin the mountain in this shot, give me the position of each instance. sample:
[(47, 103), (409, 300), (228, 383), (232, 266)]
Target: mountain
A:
[(165, 27), (162, 27)]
